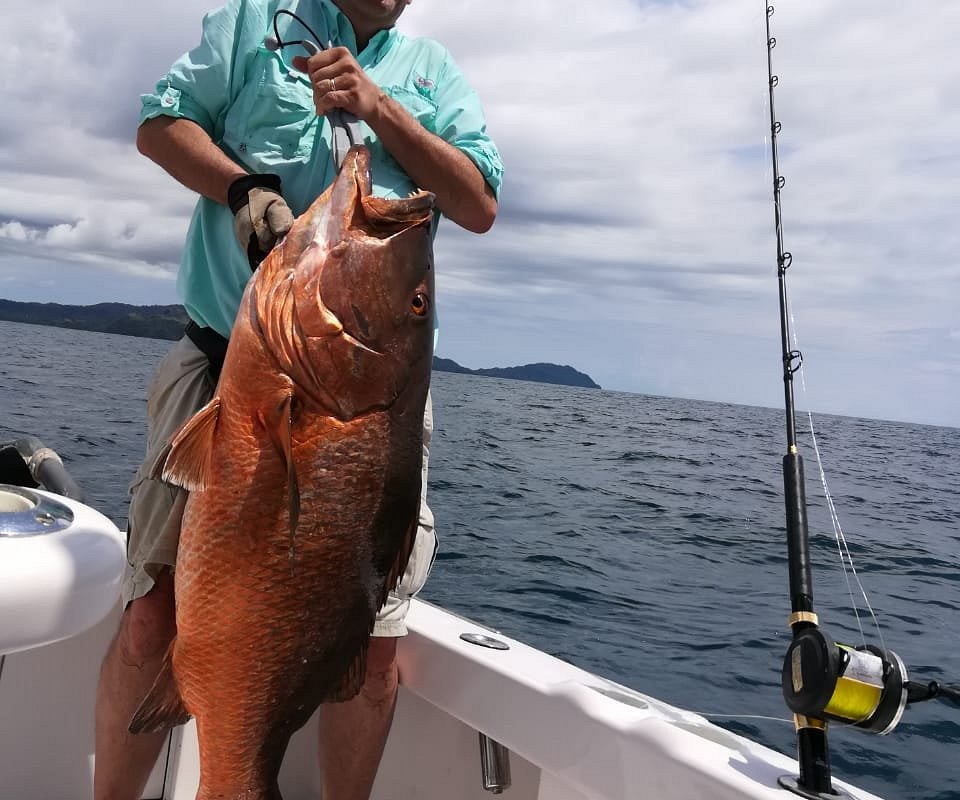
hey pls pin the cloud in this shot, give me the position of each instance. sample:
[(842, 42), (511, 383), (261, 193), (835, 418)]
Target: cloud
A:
[(636, 234)]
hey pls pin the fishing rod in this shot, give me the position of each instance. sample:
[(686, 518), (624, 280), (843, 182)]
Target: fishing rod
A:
[(822, 680)]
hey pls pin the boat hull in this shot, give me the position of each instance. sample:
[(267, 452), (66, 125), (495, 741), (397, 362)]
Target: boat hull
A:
[(570, 734)]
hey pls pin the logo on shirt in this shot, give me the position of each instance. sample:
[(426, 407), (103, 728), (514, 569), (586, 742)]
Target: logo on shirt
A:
[(424, 83)]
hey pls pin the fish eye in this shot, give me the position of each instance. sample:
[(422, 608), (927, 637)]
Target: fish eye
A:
[(419, 305)]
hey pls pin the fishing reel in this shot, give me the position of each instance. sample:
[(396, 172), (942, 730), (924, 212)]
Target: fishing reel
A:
[(864, 686)]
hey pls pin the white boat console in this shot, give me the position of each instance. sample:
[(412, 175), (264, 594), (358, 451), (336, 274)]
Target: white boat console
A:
[(61, 565)]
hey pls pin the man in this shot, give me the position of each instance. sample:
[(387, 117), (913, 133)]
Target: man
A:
[(243, 124)]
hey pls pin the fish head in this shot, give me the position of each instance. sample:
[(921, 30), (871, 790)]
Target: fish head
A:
[(362, 295)]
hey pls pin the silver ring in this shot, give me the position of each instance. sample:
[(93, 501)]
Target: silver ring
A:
[(333, 84)]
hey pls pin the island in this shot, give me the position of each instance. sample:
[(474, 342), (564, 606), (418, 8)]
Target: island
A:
[(539, 373), (167, 322)]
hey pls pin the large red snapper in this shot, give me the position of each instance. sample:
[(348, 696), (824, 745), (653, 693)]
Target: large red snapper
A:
[(304, 478)]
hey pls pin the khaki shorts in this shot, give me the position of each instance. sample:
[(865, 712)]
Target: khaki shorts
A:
[(180, 386)]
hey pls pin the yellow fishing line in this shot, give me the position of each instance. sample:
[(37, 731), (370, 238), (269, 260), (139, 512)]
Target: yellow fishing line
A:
[(853, 700)]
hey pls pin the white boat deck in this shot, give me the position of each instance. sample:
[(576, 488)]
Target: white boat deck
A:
[(571, 734)]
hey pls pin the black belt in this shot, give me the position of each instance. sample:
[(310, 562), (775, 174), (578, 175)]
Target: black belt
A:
[(211, 344)]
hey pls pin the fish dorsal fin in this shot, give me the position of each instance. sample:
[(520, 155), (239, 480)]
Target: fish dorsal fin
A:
[(162, 708), (403, 558), (188, 458), (354, 677), (279, 427), (352, 680)]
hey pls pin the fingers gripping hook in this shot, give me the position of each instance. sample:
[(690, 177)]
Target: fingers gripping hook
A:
[(344, 126)]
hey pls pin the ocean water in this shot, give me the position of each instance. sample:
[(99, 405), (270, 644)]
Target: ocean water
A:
[(639, 537)]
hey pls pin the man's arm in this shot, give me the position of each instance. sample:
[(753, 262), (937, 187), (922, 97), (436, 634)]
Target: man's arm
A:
[(463, 194), (187, 152)]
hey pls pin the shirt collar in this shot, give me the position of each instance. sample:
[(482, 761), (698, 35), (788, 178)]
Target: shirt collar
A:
[(342, 34)]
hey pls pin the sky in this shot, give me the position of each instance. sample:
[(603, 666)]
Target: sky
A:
[(635, 239)]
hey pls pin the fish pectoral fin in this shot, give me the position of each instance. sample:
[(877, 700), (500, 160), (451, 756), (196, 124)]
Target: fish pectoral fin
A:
[(162, 708), (279, 427), (190, 453)]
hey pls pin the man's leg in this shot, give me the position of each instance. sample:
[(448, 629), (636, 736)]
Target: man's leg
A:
[(353, 734), (180, 386), (124, 760)]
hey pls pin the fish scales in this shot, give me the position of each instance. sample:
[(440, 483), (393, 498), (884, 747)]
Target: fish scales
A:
[(304, 478)]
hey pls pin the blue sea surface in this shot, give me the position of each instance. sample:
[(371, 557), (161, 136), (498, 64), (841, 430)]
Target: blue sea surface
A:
[(639, 537)]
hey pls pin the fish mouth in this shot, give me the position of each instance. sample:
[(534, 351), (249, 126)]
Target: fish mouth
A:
[(379, 217), (385, 218)]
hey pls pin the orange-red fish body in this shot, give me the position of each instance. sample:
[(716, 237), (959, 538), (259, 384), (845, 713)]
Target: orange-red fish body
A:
[(304, 473)]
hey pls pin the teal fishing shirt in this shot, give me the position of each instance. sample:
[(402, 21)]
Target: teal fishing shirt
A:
[(260, 111)]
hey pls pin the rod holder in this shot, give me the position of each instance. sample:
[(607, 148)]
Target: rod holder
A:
[(494, 765)]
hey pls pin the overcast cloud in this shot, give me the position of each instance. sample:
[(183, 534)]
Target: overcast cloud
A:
[(635, 240)]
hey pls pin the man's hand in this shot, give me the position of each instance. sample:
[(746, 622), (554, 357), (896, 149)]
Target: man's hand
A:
[(261, 215), (339, 82), (433, 164)]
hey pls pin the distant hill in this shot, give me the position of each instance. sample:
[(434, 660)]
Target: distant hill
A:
[(539, 373), (152, 322), (167, 322)]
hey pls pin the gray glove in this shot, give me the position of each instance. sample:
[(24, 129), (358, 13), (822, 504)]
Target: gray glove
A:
[(261, 215)]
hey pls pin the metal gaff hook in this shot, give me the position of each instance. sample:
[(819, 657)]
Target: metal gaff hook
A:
[(345, 127)]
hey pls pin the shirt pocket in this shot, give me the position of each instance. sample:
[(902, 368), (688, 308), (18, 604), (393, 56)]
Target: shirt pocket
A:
[(276, 119), (421, 108)]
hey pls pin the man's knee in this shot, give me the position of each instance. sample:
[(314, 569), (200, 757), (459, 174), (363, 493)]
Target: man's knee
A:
[(382, 654), (381, 675), (148, 624)]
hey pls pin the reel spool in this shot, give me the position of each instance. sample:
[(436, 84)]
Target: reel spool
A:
[(863, 686)]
